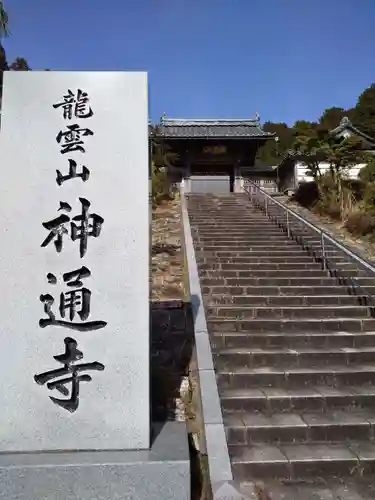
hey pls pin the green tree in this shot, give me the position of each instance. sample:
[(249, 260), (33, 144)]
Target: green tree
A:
[(335, 196), (364, 112), (162, 165), (340, 153), (304, 128), (19, 64), (367, 173), (162, 155), (272, 151), (310, 147), (4, 21), (4, 32), (331, 117)]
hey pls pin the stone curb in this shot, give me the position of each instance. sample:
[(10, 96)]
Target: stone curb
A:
[(220, 469)]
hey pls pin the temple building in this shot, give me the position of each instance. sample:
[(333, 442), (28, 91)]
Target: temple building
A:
[(292, 170), (217, 155)]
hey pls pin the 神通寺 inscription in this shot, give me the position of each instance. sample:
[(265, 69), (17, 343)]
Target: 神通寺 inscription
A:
[(78, 262), (71, 139), (89, 225), (76, 301), (71, 303), (68, 359), (77, 105), (72, 174)]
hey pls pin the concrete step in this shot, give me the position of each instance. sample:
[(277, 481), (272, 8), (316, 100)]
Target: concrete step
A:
[(244, 227), (292, 249), (295, 340), (219, 222), (238, 217), (319, 489), (232, 242), (315, 246), (281, 278), (339, 268), (251, 256), (236, 226), (302, 399), (243, 312), (278, 377), (302, 460), (247, 233), (281, 291), (250, 266), (294, 351), (294, 253), (227, 236), (250, 260), (248, 227), (348, 271), (224, 211), (216, 324), (294, 282), (280, 300), (233, 358), (261, 247), (264, 249), (266, 273), (247, 428), (224, 217), (250, 233)]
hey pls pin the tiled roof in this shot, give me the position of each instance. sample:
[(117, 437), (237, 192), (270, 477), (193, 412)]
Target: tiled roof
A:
[(203, 129), (258, 167), (346, 124), (262, 167)]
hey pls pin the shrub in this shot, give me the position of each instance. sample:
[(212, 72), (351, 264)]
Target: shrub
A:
[(360, 223), (367, 173), (307, 194), (328, 206), (356, 186), (160, 187), (369, 197), (336, 199)]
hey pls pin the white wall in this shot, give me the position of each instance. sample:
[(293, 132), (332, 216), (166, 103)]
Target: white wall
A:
[(301, 169)]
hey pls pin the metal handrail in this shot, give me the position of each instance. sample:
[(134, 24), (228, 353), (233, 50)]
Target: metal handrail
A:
[(253, 190)]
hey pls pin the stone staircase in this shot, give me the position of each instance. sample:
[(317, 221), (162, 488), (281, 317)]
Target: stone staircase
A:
[(294, 354)]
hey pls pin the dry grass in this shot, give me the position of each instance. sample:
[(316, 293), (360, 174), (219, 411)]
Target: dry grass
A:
[(363, 246), (167, 260)]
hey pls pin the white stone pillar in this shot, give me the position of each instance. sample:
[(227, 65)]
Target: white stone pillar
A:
[(238, 181)]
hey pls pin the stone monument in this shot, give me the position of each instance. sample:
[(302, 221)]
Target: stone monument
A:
[(74, 269)]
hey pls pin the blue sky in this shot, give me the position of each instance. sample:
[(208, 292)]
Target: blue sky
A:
[(286, 59)]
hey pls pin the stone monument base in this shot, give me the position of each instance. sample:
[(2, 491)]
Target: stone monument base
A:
[(163, 472)]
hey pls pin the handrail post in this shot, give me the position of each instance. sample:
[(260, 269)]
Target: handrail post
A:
[(287, 223), (266, 205), (323, 250)]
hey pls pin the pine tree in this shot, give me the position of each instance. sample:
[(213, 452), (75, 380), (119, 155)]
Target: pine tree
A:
[(364, 112)]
